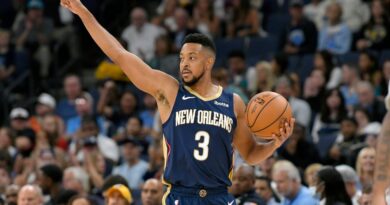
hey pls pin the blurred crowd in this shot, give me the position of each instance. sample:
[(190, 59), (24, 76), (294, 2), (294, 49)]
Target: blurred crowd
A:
[(65, 139)]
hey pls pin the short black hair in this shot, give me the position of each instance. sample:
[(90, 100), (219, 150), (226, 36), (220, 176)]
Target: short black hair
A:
[(112, 180), (200, 39), (52, 171)]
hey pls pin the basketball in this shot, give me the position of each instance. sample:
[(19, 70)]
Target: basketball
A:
[(266, 113)]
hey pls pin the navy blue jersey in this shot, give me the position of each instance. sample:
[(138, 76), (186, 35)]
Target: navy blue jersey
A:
[(198, 139)]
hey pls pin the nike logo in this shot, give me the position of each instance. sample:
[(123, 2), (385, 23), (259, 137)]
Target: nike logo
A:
[(187, 97), (231, 203)]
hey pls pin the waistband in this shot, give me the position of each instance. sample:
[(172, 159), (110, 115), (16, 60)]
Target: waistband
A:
[(201, 191)]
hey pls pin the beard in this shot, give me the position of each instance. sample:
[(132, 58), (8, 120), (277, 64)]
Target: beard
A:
[(193, 81)]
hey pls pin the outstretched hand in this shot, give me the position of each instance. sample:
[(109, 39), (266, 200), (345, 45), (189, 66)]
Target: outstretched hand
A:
[(285, 133), (74, 6)]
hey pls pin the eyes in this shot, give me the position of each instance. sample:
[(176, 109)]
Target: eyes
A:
[(191, 58)]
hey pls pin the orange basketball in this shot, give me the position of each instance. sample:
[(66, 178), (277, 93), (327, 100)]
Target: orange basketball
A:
[(266, 113)]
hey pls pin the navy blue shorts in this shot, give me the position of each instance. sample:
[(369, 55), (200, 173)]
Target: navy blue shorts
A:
[(191, 196)]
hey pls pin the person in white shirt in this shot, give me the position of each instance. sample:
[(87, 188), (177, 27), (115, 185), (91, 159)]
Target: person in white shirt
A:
[(140, 35)]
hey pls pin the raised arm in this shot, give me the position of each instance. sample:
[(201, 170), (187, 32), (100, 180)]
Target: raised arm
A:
[(249, 148), (145, 78)]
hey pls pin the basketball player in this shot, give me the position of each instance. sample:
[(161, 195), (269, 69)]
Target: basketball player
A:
[(381, 185), (201, 122)]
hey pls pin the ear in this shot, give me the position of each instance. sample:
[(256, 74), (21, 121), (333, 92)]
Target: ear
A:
[(210, 62)]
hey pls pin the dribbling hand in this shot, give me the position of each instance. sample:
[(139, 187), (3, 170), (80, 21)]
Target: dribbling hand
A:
[(285, 133), (74, 6)]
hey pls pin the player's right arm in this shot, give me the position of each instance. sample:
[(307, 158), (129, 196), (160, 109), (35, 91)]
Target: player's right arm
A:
[(144, 77)]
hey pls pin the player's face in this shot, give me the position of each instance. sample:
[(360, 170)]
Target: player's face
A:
[(192, 63)]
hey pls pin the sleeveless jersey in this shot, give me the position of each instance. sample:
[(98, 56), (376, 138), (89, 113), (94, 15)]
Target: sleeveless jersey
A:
[(198, 139)]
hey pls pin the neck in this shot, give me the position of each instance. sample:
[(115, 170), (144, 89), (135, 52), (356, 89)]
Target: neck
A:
[(294, 192), (205, 89)]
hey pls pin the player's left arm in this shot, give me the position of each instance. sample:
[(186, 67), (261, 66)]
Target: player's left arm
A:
[(245, 142)]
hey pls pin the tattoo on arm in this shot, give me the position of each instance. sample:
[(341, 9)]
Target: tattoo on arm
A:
[(383, 157)]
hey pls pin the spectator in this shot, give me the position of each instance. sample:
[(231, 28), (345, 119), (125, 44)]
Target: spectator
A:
[(311, 10), (288, 183), (164, 59), (89, 139), (348, 89), (11, 194), (33, 35), (30, 195), (24, 165), (76, 178), (112, 180), (19, 119), (166, 13), (265, 77), (147, 114), (309, 175), (6, 141), (279, 63), (355, 13), (367, 66), (330, 187), (243, 20), (371, 132), (152, 192), (351, 182), (362, 118), (221, 77), (265, 167), (324, 61), (341, 151), (300, 108), (314, 89), (50, 180), (83, 200), (335, 36), (301, 34), (205, 19), (46, 105), (370, 102), (365, 165), (118, 195), (332, 112), (264, 189), (140, 35), (84, 108), (132, 168), (156, 161), (242, 76), (375, 34), (133, 130), (182, 28), (117, 114), (298, 150), (97, 167), (65, 196), (52, 135), (7, 56), (243, 186), (66, 108)]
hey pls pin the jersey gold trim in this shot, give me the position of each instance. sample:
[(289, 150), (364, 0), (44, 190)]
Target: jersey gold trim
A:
[(217, 95)]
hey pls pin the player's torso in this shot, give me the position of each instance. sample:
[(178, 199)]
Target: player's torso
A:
[(198, 140)]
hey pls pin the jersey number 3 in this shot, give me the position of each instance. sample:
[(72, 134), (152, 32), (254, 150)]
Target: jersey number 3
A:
[(203, 138)]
